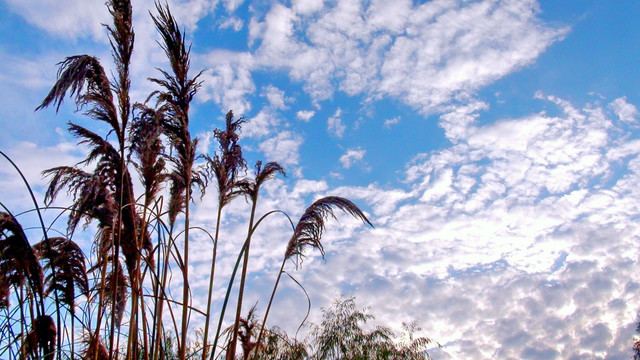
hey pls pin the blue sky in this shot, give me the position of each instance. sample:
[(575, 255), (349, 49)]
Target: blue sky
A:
[(494, 145)]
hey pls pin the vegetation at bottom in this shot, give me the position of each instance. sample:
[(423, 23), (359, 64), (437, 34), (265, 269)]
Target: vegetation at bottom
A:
[(115, 301)]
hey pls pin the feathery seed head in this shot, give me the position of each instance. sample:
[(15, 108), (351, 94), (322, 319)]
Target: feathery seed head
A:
[(17, 259), (308, 231)]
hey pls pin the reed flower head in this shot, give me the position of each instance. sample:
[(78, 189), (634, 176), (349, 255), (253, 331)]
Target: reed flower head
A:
[(309, 229), (66, 265), (18, 262)]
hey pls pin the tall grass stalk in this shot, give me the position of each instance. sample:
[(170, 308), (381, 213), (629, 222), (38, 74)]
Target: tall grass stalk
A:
[(234, 272), (224, 166), (251, 188), (308, 233), (177, 92)]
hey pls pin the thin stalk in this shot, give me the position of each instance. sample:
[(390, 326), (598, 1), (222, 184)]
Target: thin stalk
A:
[(213, 267), (226, 298), (160, 303), (185, 274), (135, 291), (233, 274), (266, 314), (44, 231), (100, 303), (232, 346), (22, 321), (73, 337), (116, 269)]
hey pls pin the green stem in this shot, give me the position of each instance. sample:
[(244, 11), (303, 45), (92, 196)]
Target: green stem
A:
[(232, 346), (266, 314), (185, 275), (211, 275), (233, 274)]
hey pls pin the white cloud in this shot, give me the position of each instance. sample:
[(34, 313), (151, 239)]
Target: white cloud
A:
[(625, 111), (228, 80), (522, 244), (305, 186), (334, 124), (283, 148), (232, 5), (69, 19), (522, 221), (517, 241), (365, 50), (187, 12), (307, 7), (459, 47), (351, 157), (232, 23), (275, 97), (260, 125), (305, 115), (389, 122)]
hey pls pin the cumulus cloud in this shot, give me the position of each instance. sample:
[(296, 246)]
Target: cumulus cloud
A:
[(307, 7), (389, 122), (335, 125), (625, 111), (351, 157), (449, 49), (283, 148), (531, 222), (275, 97), (305, 115), (260, 125), (428, 56), (514, 242), (228, 80), (519, 240), (71, 19)]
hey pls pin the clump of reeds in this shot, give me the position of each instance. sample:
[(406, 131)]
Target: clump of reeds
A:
[(135, 242)]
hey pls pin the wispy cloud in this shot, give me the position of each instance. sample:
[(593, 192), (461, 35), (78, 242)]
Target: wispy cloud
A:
[(393, 121), (232, 23), (335, 125), (276, 97), (283, 148), (351, 157)]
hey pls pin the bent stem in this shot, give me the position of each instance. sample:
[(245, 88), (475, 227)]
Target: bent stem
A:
[(235, 270), (266, 314), (47, 246)]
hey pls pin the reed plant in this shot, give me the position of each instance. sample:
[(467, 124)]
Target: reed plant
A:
[(111, 300)]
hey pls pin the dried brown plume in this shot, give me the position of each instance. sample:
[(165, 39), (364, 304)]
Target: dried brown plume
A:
[(228, 161), (18, 262), (41, 338), (309, 229), (94, 348), (66, 265)]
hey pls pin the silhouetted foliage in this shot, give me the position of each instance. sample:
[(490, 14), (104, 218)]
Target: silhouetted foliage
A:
[(126, 281)]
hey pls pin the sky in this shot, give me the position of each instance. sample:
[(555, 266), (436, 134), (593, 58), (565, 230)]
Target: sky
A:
[(494, 146)]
